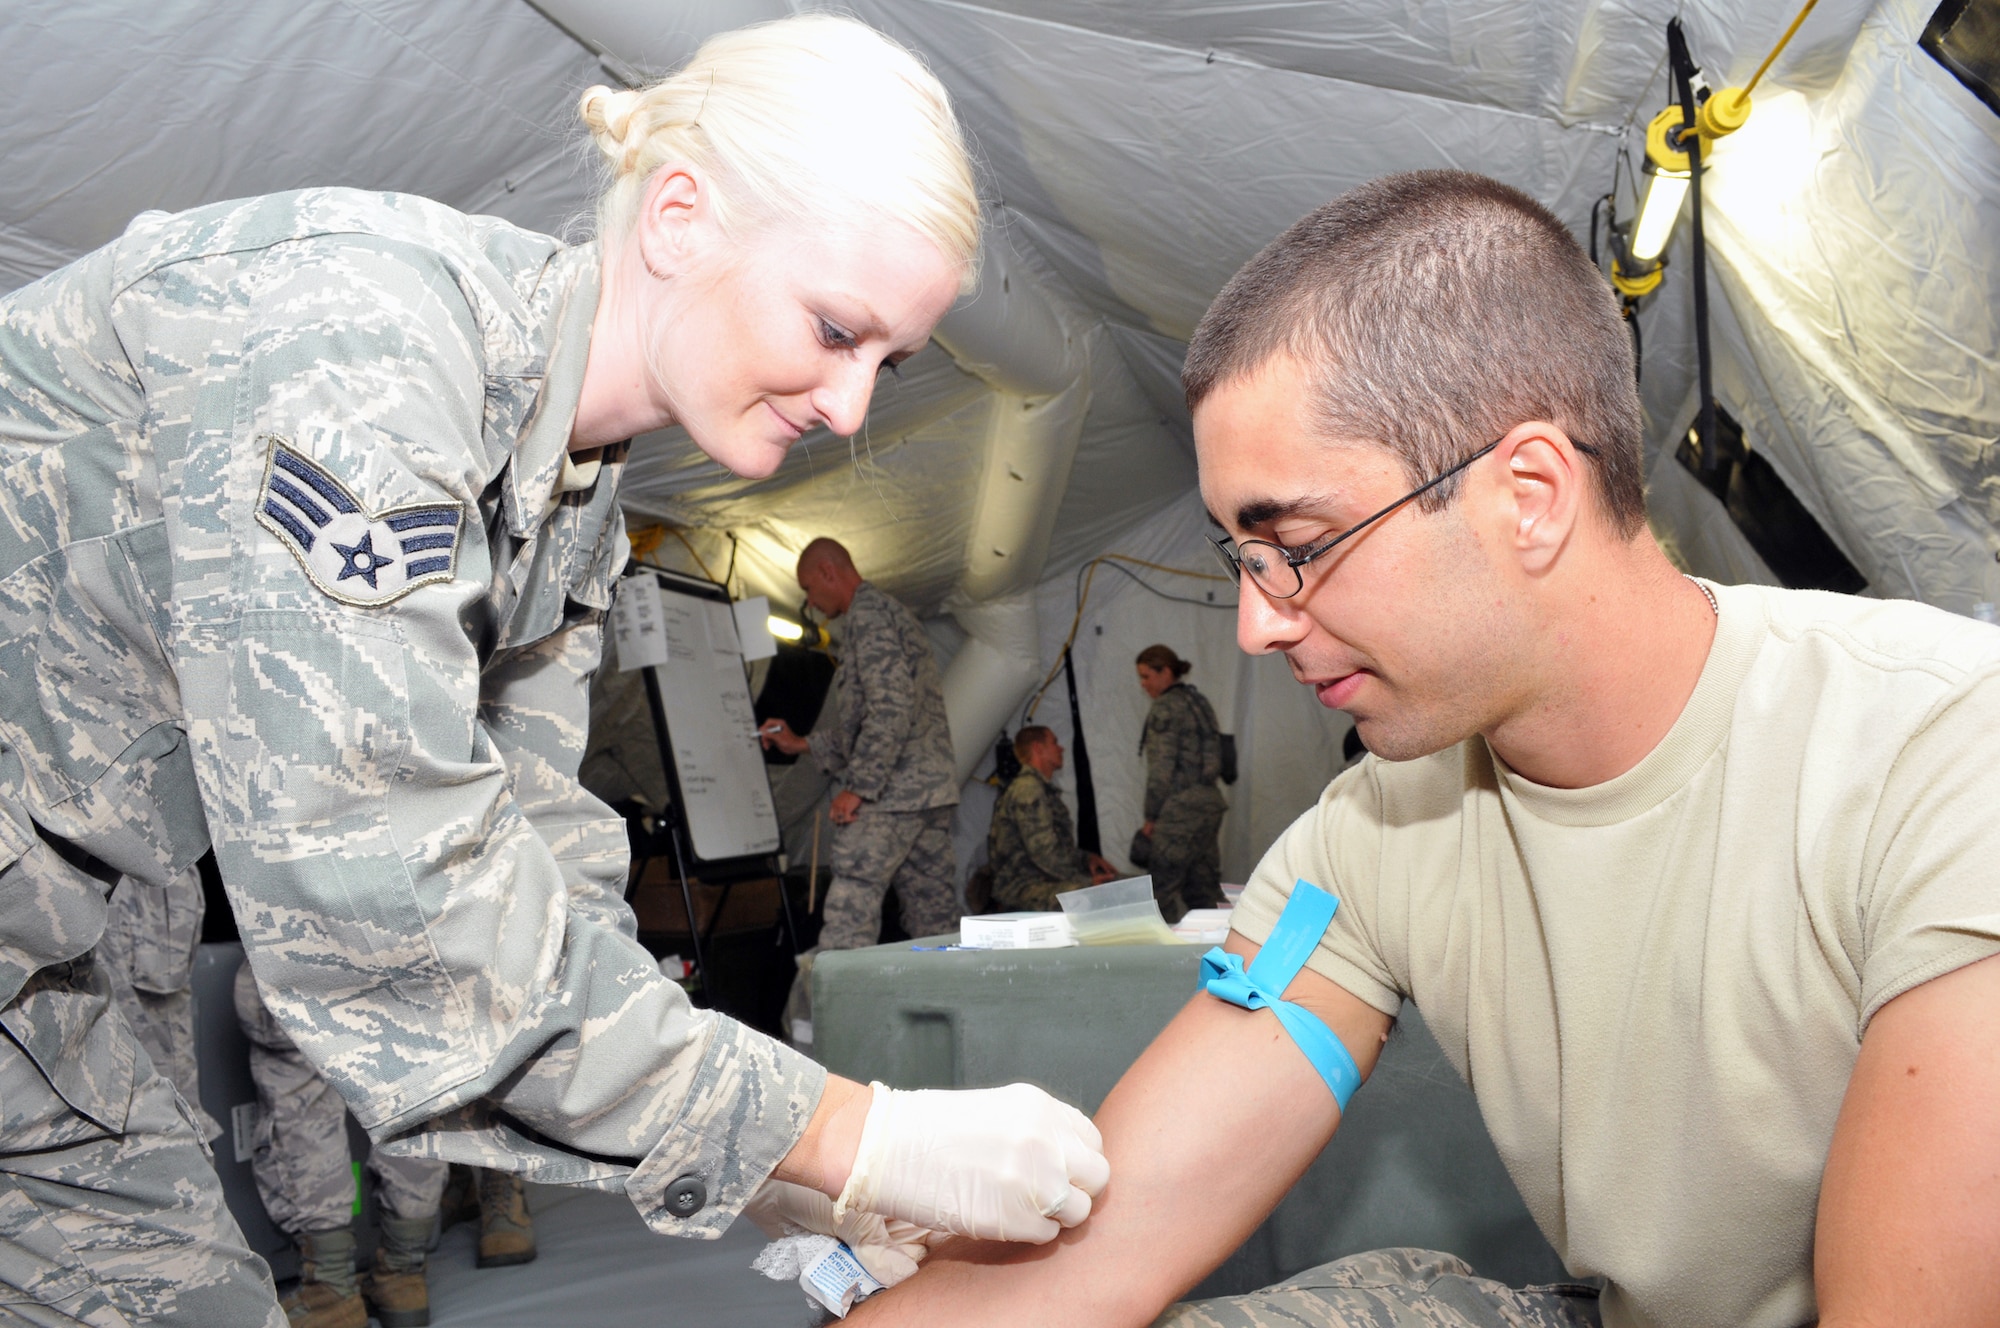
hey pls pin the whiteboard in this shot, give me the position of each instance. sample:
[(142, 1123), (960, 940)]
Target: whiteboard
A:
[(718, 764)]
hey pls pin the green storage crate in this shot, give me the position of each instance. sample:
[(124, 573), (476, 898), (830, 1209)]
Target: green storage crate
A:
[(1411, 1165)]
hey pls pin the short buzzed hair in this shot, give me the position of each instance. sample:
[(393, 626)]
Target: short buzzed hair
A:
[(1434, 311), (1030, 737), (827, 550)]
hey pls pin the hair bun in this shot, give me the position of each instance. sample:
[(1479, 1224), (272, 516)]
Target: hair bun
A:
[(608, 112)]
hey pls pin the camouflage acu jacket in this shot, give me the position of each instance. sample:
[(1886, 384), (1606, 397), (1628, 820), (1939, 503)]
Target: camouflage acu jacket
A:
[(892, 744), (288, 566), (1032, 840), (1182, 745)]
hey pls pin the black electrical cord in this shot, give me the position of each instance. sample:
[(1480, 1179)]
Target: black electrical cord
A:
[(729, 577), (1690, 141), (1083, 574), (1638, 343)]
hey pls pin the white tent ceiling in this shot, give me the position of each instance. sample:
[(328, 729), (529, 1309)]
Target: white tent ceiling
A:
[(1134, 153)]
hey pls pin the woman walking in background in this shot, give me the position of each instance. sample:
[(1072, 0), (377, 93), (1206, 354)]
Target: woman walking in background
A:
[(1182, 744)]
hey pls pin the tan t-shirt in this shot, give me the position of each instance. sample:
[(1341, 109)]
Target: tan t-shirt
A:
[(1657, 986)]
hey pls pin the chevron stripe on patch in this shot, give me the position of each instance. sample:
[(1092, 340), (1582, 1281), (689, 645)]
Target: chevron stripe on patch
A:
[(356, 556)]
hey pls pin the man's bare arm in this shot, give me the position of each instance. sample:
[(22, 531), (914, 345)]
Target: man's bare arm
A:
[(1205, 1134), (1909, 1207)]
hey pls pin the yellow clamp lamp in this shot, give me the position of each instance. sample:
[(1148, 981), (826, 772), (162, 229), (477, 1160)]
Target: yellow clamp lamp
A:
[(1721, 114), (813, 635)]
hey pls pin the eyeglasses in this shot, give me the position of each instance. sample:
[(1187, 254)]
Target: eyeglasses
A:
[(1275, 568)]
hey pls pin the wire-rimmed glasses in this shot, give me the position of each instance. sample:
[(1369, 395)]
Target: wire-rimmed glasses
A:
[(1275, 568)]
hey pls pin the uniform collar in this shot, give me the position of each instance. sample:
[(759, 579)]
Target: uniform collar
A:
[(541, 469)]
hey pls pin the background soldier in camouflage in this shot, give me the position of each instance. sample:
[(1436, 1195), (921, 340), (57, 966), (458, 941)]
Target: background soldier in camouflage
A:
[(890, 749), (1031, 846), (305, 1177), (1182, 745), (151, 935)]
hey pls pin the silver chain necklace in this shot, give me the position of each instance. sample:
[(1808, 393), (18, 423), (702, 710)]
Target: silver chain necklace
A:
[(1706, 594)]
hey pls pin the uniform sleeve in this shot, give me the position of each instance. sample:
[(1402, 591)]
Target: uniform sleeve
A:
[(407, 921), (828, 741), (882, 684), (1163, 750), (1931, 902), (1053, 856), (536, 708), (1350, 953)]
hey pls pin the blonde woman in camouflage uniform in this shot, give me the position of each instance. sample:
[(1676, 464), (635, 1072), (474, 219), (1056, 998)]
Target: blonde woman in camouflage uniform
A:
[(310, 528), (1182, 745)]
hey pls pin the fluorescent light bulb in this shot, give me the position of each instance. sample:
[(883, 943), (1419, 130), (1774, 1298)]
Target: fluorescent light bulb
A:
[(784, 629), (1657, 213)]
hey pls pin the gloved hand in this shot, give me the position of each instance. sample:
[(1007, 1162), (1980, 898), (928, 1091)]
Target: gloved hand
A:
[(997, 1163), (890, 1249)]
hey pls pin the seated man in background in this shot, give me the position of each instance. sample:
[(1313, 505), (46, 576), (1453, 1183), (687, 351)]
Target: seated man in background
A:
[(1694, 884), (1031, 846)]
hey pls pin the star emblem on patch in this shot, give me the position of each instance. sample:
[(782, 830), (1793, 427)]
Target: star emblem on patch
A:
[(351, 554)]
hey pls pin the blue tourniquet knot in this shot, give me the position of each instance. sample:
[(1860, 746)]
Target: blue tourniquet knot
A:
[(1262, 986)]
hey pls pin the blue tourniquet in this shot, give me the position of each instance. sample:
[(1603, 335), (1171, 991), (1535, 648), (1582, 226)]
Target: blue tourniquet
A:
[(1291, 943)]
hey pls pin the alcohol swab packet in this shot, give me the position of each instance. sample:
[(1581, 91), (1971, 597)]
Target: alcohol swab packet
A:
[(825, 1269)]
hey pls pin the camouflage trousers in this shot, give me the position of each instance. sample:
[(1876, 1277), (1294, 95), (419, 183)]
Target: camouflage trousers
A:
[(1392, 1289), (1187, 857), (150, 938), (301, 1163), (910, 851), (112, 1230)]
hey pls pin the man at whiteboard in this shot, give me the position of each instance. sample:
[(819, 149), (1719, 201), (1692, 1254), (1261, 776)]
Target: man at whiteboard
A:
[(890, 752)]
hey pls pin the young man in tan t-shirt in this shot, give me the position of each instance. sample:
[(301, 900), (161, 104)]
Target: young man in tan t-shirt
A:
[(1698, 886)]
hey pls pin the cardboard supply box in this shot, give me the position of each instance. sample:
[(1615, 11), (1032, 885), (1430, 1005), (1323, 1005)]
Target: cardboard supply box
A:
[(750, 905)]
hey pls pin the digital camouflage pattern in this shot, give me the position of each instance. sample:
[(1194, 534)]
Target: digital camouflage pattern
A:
[(1187, 852), (1031, 846), (1182, 744), (113, 1227), (431, 902), (1400, 1288), (151, 935), (908, 851), (890, 742), (305, 1175)]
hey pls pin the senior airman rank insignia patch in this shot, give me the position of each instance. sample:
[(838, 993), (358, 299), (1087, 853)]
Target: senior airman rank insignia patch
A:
[(356, 556)]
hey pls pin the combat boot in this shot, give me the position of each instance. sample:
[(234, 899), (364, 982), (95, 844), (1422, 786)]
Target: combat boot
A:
[(506, 1232), (395, 1287), (327, 1294), (460, 1201)]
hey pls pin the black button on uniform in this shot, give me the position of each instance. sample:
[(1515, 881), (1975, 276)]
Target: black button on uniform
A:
[(686, 1196)]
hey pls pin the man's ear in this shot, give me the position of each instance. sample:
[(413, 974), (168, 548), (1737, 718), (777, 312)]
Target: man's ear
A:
[(1545, 490), (672, 212)]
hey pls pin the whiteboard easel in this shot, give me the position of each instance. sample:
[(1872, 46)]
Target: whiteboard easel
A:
[(723, 823), (713, 757)]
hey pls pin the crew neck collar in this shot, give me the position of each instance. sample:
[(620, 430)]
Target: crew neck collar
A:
[(1701, 728)]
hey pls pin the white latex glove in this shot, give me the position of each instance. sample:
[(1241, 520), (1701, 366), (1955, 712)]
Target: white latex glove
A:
[(997, 1163), (888, 1248)]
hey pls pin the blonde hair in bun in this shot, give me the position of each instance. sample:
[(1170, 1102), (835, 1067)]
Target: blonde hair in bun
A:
[(796, 120)]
